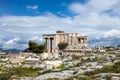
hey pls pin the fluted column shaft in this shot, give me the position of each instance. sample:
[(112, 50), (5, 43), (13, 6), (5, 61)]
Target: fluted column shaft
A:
[(48, 45)]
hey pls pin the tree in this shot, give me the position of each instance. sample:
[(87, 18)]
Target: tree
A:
[(42, 48), (62, 45), (34, 47)]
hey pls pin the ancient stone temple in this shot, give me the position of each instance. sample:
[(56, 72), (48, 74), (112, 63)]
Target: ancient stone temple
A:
[(75, 41)]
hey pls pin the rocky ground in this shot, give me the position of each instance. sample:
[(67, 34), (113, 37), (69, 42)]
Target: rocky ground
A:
[(96, 66)]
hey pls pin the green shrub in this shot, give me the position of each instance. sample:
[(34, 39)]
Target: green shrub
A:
[(61, 66), (47, 71), (108, 77), (62, 45), (75, 57), (5, 76), (22, 71), (53, 79), (96, 71), (70, 78), (118, 55), (108, 68), (116, 67), (85, 78), (79, 77)]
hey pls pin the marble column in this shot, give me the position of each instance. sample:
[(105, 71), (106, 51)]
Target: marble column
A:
[(64, 38), (68, 39), (48, 45), (83, 40), (55, 44), (86, 40), (72, 40), (76, 40)]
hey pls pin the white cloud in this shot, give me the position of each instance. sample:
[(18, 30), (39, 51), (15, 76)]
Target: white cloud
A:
[(12, 43), (32, 7), (116, 9), (36, 38), (93, 15), (101, 5), (111, 34), (34, 26), (96, 6), (77, 8)]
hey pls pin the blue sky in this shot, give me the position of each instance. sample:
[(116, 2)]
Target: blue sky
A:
[(24, 20), (15, 7)]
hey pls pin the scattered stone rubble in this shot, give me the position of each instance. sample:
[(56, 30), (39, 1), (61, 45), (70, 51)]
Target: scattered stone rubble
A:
[(70, 66)]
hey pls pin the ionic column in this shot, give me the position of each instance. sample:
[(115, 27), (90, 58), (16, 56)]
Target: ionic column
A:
[(64, 38), (48, 45), (72, 41), (68, 39), (55, 44), (76, 38), (81, 41), (84, 40)]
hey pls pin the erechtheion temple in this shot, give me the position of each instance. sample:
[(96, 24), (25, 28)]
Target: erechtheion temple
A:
[(76, 42)]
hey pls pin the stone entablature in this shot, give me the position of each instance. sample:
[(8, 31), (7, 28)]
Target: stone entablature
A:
[(73, 39)]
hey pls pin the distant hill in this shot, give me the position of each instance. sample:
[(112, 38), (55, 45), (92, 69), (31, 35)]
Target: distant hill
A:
[(1, 50), (13, 50)]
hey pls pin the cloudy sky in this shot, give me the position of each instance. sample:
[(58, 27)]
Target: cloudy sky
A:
[(24, 20)]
